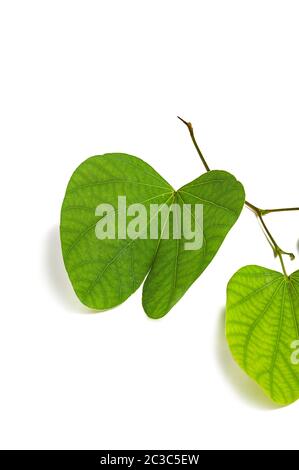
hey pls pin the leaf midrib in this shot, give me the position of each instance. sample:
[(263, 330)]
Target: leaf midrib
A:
[(212, 203), (257, 321)]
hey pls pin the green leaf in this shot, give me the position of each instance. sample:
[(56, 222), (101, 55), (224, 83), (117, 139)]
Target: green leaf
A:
[(106, 272), (175, 268), (262, 329)]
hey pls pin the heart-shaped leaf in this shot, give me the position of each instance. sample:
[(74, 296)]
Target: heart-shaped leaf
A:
[(175, 268), (106, 272), (262, 329)]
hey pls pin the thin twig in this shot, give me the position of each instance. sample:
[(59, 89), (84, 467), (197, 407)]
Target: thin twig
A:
[(284, 209), (257, 211)]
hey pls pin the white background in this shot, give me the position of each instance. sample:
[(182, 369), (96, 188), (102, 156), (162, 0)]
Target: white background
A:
[(80, 78)]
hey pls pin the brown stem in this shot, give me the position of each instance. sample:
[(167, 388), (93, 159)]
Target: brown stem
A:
[(257, 211)]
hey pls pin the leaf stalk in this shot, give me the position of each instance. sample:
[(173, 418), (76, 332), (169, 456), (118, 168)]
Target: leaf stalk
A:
[(278, 252)]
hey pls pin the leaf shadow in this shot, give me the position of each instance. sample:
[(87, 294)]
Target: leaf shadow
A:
[(57, 276), (244, 386)]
